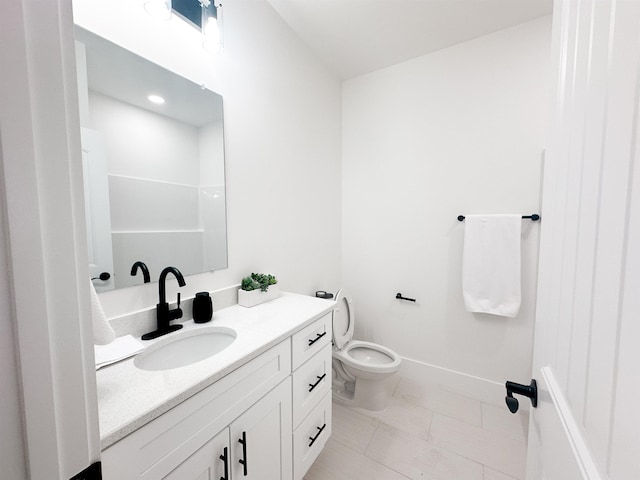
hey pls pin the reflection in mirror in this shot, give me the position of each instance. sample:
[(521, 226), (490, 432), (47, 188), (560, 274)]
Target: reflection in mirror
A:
[(153, 172)]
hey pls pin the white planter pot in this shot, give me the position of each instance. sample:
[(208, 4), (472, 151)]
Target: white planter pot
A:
[(256, 297)]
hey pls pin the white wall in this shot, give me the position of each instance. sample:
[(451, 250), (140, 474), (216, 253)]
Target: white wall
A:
[(459, 131), (282, 142), (144, 144), (12, 455)]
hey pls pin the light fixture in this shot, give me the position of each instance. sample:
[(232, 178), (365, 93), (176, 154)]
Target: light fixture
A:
[(212, 26), (158, 9), (157, 99)]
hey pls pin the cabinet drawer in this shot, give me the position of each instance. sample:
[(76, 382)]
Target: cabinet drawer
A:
[(311, 382), (309, 438), (310, 340)]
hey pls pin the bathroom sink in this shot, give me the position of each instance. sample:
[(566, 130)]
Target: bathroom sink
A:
[(185, 348)]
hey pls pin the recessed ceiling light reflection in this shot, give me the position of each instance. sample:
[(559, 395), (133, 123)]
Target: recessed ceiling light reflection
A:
[(157, 99)]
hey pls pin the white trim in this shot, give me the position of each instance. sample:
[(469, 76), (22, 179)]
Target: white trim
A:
[(41, 162), (478, 388), (574, 435), (164, 182), (138, 232)]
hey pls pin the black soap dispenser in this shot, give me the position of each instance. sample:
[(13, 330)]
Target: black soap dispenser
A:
[(202, 307)]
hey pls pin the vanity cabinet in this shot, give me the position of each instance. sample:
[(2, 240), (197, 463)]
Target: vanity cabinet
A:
[(266, 420), (254, 399), (249, 447)]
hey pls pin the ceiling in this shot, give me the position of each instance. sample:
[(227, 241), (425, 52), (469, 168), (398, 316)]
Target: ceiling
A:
[(354, 37)]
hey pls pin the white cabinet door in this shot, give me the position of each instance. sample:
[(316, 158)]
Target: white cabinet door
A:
[(210, 462), (261, 441)]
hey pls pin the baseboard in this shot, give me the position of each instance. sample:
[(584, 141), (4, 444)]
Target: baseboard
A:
[(482, 389)]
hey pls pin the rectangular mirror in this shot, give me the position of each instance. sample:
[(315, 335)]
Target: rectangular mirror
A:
[(153, 166)]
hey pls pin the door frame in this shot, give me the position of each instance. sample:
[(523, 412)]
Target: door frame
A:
[(41, 189)]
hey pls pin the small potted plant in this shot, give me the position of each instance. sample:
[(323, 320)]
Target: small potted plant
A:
[(257, 288)]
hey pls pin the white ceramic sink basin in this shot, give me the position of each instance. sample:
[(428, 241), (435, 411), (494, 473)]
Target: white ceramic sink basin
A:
[(185, 348)]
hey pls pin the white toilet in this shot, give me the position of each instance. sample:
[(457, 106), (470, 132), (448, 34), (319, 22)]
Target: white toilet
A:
[(359, 368)]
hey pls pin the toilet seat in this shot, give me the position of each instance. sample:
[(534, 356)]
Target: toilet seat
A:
[(368, 357), (365, 356), (343, 320)]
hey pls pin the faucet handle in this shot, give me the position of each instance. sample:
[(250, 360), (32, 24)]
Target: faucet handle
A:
[(177, 312)]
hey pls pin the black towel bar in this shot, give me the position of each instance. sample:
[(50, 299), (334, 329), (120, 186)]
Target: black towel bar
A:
[(534, 217)]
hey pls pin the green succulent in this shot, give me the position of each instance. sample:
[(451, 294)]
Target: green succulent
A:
[(249, 284), (258, 280)]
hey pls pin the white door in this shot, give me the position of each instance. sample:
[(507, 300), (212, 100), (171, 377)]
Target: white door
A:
[(97, 210), (261, 440), (587, 340)]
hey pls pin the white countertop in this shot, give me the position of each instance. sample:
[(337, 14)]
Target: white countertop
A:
[(129, 397)]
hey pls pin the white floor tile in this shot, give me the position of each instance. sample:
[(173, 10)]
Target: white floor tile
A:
[(418, 459), (434, 398), (404, 415), (490, 474), (501, 420), (337, 462), (351, 428), (457, 438), (500, 452)]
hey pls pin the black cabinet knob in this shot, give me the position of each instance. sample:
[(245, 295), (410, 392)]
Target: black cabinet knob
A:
[(314, 438), (314, 385), (318, 337), (225, 458), (243, 461)]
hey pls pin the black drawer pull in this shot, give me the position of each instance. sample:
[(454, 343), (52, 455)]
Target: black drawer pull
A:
[(243, 461), (318, 337), (224, 457), (314, 385), (313, 439)]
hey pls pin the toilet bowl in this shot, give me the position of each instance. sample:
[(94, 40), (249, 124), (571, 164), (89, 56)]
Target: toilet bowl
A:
[(359, 368)]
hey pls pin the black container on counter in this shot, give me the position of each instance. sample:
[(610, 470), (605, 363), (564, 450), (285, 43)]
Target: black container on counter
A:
[(202, 307)]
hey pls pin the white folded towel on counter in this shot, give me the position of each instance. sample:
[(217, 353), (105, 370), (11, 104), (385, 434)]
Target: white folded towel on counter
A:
[(102, 331), (121, 348), (491, 264)]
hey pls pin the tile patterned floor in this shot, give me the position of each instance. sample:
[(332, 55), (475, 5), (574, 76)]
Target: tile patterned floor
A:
[(425, 433)]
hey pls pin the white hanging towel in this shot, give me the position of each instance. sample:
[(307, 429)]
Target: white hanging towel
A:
[(102, 331), (491, 264)]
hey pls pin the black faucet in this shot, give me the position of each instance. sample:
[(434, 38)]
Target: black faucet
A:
[(145, 271), (163, 314)]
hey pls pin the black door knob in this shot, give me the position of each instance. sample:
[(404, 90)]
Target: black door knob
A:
[(530, 391), (512, 404)]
